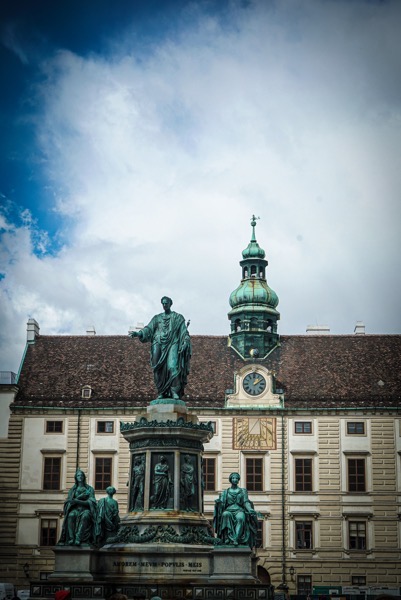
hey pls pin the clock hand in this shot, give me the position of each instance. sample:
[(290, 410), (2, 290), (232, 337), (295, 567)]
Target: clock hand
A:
[(256, 381)]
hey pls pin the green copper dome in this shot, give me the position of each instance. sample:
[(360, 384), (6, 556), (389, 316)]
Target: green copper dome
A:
[(253, 291), (253, 250), (253, 315)]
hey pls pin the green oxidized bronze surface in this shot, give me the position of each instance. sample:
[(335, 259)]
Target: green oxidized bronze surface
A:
[(165, 534), (167, 401), (235, 519), (166, 442), (170, 352), (181, 423)]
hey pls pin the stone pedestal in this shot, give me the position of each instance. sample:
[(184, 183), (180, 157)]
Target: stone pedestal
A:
[(166, 437), (233, 564), (74, 563)]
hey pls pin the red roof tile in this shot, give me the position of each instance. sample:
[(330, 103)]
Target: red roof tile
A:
[(322, 370)]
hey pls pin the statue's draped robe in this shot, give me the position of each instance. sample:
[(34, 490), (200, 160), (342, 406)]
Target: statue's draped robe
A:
[(230, 510), (138, 483), (108, 519), (187, 482), (170, 352), (161, 486), (79, 520)]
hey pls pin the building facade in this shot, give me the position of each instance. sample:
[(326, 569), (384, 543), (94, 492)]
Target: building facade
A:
[(311, 422)]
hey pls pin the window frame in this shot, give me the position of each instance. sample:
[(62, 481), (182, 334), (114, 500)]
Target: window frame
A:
[(302, 490), (303, 432), (54, 421), (297, 525), (355, 423), (358, 580), (358, 536), (358, 479), (42, 529), (251, 486), (86, 392), (304, 589), (204, 474), (45, 472), (103, 457), (260, 534), (105, 421)]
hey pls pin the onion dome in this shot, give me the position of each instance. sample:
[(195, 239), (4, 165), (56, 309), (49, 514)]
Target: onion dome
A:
[(253, 250), (253, 291), (253, 313)]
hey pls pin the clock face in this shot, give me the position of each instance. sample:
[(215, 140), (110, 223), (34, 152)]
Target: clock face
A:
[(254, 384), (254, 433)]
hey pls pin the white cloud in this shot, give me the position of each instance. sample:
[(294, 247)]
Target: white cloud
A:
[(292, 113)]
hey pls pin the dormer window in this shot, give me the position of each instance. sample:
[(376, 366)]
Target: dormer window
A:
[(86, 391)]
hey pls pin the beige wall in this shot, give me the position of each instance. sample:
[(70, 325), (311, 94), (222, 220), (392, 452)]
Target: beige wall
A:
[(329, 506)]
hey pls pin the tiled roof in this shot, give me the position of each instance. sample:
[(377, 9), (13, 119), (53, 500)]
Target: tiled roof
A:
[(312, 370)]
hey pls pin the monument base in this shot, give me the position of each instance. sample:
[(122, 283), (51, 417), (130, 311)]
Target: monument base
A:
[(156, 563), (45, 590)]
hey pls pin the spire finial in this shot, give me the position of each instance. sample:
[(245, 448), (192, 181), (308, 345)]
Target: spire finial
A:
[(253, 223)]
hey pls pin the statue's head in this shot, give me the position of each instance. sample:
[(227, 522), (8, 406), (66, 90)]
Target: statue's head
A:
[(166, 301), (235, 476), (111, 490), (80, 477)]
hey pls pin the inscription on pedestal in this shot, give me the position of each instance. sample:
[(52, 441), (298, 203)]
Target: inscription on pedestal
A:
[(153, 567), (150, 566)]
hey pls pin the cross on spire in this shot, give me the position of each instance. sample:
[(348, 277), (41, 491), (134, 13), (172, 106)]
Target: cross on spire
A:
[(253, 223)]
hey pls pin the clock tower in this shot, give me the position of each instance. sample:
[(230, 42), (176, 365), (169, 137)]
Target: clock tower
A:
[(253, 315)]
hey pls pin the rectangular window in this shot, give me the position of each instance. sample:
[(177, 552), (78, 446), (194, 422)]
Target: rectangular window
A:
[(254, 474), (356, 427), (357, 535), (303, 475), (105, 427), (52, 473), (259, 534), (303, 532), (358, 580), (209, 474), (303, 427), (356, 475), (54, 426), (304, 585), (48, 532), (102, 473)]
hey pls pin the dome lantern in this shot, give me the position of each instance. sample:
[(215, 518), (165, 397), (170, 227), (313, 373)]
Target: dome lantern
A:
[(253, 313)]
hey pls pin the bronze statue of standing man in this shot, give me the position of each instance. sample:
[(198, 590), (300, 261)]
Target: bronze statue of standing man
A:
[(170, 350)]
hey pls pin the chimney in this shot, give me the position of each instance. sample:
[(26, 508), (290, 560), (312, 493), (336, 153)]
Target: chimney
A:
[(32, 331), (90, 330), (359, 328), (318, 329)]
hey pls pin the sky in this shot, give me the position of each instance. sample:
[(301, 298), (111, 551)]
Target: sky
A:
[(138, 138)]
